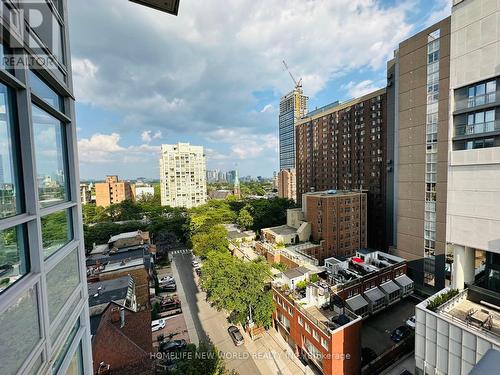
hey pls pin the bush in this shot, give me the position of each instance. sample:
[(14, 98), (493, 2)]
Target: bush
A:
[(155, 311), (440, 299)]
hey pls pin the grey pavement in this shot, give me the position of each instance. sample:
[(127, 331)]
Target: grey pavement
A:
[(204, 322)]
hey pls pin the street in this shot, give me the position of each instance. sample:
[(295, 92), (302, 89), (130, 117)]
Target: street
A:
[(204, 323)]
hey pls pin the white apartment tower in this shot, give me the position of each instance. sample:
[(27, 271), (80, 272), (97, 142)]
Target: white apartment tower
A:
[(453, 333), (182, 175)]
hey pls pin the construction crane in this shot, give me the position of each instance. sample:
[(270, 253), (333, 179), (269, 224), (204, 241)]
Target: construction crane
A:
[(298, 83)]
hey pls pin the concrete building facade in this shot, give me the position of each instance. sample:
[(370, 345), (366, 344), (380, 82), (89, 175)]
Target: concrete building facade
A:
[(293, 106), (457, 327), (112, 191), (343, 146), (420, 74), (183, 175), (286, 184)]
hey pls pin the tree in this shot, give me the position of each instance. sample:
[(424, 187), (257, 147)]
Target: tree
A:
[(213, 239), (238, 286), (201, 360), (245, 219), (212, 213)]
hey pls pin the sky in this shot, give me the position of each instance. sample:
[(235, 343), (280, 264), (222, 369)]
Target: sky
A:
[(213, 75)]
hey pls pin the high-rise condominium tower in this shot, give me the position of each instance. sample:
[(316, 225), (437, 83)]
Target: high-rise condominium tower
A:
[(293, 106), (182, 175), (44, 316), (418, 84)]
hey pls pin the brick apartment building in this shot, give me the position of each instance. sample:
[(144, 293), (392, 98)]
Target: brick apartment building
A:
[(286, 184), (328, 340), (112, 191), (338, 221), (344, 147)]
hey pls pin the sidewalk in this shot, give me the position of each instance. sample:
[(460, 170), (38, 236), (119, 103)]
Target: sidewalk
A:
[(274, 356)]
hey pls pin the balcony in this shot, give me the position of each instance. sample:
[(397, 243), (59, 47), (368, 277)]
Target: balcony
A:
[(480, 128), (476, 101)]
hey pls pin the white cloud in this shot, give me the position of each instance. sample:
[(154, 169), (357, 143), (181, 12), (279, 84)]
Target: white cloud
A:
[(441, 9), (355, 90), (106, 149), (267, 108), (146, 136), (157, 135)]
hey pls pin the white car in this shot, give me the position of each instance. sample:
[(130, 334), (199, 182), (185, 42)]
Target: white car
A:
[(158, 324), (167, 280), (195, 264), (411, 322)]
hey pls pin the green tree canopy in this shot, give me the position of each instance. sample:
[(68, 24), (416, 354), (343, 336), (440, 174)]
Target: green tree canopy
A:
[(201, 360), (245, 219), (213, 239), (236, 286)]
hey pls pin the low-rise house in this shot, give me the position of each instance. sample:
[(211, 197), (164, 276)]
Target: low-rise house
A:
[(122, 341)]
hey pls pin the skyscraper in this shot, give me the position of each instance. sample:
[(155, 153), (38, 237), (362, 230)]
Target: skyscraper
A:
[(343, 146), (182, 175), (293, 107), (44, 316), (418, 77)]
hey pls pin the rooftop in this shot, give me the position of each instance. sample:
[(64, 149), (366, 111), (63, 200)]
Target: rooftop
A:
[(333, 193), (125, 235), (281, 230), (365, 262), (481, 317), (296, 272), (109, 290)]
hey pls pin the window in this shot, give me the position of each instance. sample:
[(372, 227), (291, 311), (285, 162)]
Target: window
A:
[(64, 349), (76, 365), (308, 328), (62, 281), (56, 231), (20, 329), (51, 164), (10, 191), (315, 335), (324, 343), (44, 91), (14, 259), (301, 321)]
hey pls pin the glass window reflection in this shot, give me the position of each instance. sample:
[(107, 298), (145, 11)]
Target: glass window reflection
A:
[(50, 145), (56, 231), (14, 261), (43, 90), (10, 202)]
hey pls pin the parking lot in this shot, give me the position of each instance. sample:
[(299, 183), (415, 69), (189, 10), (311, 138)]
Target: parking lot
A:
[(377, 329)]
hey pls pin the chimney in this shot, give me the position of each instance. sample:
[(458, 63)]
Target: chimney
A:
[(115, 315), (122, 317)]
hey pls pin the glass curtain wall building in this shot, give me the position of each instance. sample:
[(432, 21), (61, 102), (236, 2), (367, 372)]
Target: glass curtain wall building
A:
[(293, 107), (44, 319)]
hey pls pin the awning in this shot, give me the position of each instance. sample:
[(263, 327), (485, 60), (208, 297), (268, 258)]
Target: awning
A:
[(403, 281), (374, 294), (357, 302), (389, 287)]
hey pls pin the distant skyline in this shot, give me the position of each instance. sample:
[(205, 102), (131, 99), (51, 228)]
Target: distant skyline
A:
[(215, 81)]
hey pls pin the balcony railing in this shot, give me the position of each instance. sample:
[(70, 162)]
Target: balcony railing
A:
[(483, 127), (475, 101)]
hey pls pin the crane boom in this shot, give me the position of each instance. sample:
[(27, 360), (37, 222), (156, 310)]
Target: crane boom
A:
[(297, 83)]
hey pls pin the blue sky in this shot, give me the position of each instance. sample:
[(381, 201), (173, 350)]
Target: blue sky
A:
[(213, 75)]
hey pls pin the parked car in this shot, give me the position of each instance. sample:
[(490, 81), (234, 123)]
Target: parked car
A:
[(236, 335), (195, 264), (169, 346), (158, 324), (168, 288), (198, 271), (170, 303), (411, 322), (400, 333), (167, 279)]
